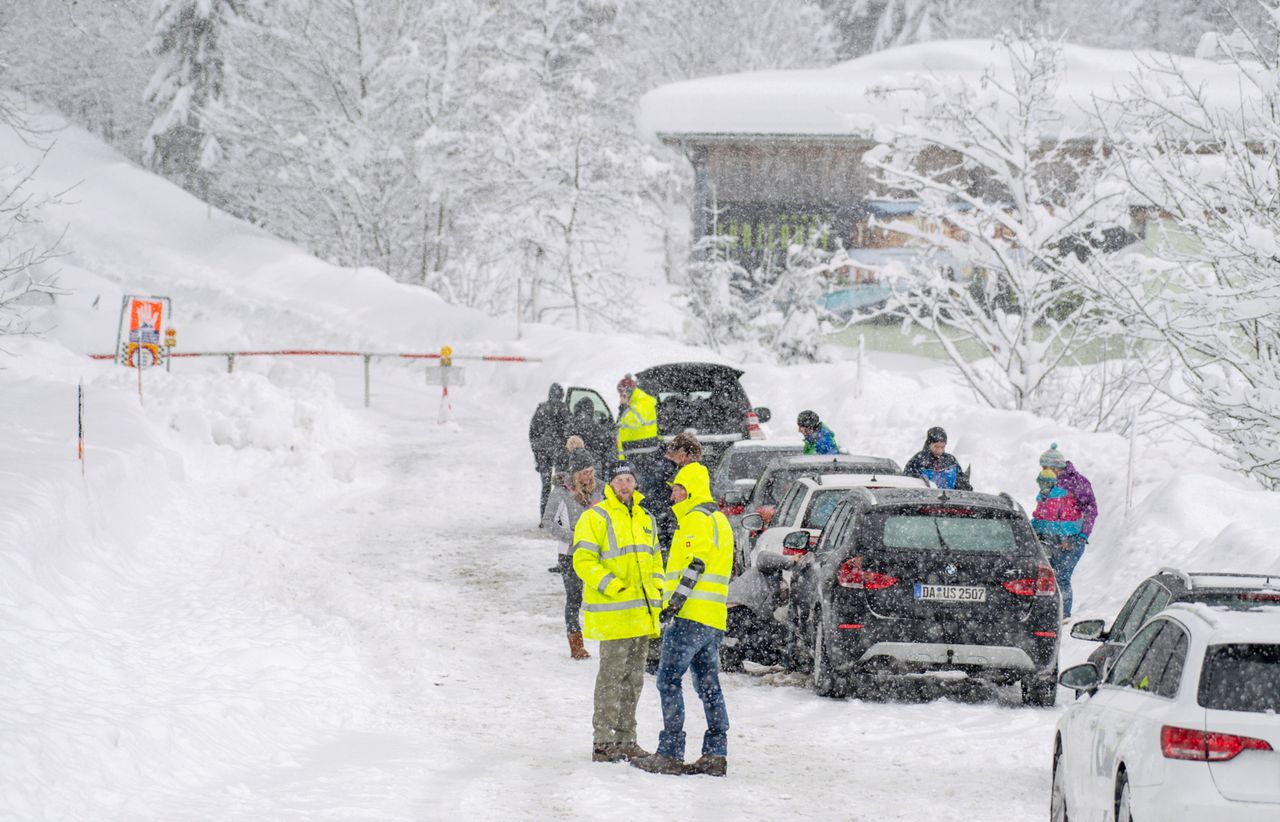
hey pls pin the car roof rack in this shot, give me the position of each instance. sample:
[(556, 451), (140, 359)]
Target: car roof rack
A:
[(1188, 577), (1180, 574)]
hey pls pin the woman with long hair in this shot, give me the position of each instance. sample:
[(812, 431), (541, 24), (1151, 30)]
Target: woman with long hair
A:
[(575, 492)]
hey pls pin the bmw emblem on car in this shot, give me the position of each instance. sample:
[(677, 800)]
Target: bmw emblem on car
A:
[(950, 569)]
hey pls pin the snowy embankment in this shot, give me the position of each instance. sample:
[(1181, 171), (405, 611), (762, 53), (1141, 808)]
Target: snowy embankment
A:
[(262, 601)]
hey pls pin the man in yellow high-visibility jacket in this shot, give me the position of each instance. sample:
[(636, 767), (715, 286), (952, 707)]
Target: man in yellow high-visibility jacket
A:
[(696, 591), (637, 421), (616, 555)]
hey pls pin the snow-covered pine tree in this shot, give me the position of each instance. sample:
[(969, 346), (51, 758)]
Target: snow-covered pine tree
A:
[(1006, 195), (788, 318), (717, 296), (188, 79)]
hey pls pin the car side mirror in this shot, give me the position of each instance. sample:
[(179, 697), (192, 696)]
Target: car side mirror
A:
[(1090, 630), (753, 522), (796, 541), (1084, 677), (735, 499), (763, 414)]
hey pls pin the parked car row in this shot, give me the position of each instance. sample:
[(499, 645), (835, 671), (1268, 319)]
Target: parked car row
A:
[(870, 575), (889, 576)]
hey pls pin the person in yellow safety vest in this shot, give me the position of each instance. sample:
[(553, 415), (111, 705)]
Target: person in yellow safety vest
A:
[(616, 555), (696, 591), (637, 420)]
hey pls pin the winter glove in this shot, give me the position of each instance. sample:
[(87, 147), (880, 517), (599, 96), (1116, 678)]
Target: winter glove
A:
[(668, 613)]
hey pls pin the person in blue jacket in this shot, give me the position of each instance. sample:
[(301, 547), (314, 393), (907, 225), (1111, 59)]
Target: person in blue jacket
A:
[(934, 464), (818, 438)]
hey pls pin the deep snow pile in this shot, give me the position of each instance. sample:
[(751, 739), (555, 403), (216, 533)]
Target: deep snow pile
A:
[(255, 575)]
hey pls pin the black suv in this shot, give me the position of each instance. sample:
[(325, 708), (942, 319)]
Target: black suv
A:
[(704, 397), (1162, 588), (908, 581)]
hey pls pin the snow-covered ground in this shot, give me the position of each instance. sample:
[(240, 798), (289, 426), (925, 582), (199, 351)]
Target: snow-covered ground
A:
[(261, 600)]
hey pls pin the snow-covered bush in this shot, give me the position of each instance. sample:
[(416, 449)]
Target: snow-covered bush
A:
[(774, 311)]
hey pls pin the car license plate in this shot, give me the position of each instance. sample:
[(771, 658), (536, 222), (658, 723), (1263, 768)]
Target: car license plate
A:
[(950, 593)]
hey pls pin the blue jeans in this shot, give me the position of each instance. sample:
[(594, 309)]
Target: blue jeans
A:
[(1064, 562), (691, 645)]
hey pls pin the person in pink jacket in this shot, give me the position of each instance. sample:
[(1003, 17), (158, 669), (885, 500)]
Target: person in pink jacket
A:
[(1066, 510)]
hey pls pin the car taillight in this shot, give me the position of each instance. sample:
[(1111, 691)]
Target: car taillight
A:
[(731, 510), (1200, 746), (1261, 597), (1043, 584), (852, 575)]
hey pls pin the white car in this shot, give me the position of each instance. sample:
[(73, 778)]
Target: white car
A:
[(808, 504), (1185, 726)]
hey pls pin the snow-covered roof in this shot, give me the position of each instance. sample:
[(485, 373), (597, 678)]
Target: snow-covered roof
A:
[(834, 102)]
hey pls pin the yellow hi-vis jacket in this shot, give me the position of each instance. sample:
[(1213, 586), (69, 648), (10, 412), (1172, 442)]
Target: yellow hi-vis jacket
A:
[(615, 552), (638, 425), (705, 533)]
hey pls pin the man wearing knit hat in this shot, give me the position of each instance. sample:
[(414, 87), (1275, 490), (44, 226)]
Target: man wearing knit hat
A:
[(1075, 484)]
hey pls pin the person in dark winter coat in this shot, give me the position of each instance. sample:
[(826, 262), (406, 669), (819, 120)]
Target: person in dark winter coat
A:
[(546, 437), (818, 438), (934, 464), (575, 491), (1065, 553), (597, 436)]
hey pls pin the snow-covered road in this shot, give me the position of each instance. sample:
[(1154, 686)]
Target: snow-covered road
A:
[(417, 603)]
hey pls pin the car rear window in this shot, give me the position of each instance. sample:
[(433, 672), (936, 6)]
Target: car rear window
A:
[(751, 464), (820, 508), (1244, 677), (948, 529), (777, 483)]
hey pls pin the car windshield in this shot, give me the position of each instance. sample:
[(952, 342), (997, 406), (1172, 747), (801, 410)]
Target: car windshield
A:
[(954, 529), (1244, 677), (820, 507)]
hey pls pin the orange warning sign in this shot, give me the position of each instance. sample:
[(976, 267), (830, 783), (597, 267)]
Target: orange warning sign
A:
[(145, 318)]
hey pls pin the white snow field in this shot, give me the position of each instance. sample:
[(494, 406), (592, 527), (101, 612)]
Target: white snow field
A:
[(262, 601)]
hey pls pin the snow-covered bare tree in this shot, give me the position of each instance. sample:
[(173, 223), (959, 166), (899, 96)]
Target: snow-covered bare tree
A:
[(1015, 209), (1208, 171), (188, 79), (25, 246)]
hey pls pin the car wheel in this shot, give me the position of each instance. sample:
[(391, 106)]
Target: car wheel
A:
[(1040, 691), (1124, 798), (1058, 793), (825, 681)]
